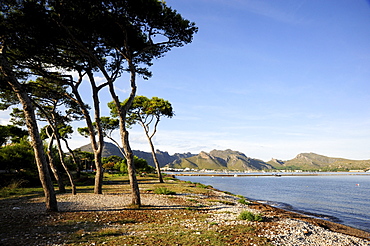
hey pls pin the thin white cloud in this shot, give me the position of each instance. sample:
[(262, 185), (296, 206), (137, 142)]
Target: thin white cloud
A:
[(288, 14)]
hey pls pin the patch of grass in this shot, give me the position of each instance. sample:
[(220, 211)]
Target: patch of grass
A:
[(15, 189), (163, 191), (247, 215), (229, 193), (203, 186), (170, 178), (108, 232), (223, 202), (243, 201)]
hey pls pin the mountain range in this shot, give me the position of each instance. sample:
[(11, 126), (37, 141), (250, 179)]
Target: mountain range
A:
[(221, 160), (235, 160), (163, 157), (312, 161)]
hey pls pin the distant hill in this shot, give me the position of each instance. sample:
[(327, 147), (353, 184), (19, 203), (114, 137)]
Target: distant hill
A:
[(163, 157), (234, 160), (312, 161), (221, 160)]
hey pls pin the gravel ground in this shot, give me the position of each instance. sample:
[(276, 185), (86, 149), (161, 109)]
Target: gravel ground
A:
[(280, 229)]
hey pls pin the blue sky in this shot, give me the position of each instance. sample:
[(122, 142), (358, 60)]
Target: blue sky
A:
[(269, 78)]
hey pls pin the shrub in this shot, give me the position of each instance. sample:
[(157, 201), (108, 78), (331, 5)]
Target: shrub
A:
[(243, 201), (246, 215), (203, 186), (164, 191)]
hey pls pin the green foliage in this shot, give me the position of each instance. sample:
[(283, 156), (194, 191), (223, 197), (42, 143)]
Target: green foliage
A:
[(11, 134), (112, 158), (16, 188), (144, 111), (109, 165), (203, 186), (141, 165), (84, 159), (12, 188), (243, 201), (17, 156), (247, 215), (163, 191)]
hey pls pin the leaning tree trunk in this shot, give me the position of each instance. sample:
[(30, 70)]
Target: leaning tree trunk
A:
[(53, 168), (78, 166), (60, 152), (97, 146), (130, 167), (159, 174), (42, 165)]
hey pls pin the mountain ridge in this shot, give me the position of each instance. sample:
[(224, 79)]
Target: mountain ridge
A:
[(220, 160), (163, 157), (313, 161), (234, 160)]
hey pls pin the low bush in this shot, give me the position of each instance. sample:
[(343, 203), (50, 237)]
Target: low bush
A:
[(164, 191), (247, 215), (243, 201), (203, 186), (14, 188)]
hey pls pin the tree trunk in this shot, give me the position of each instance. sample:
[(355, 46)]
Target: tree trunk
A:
[(78, 165), (97, 146), (98, 189), (130, 167), (98, 186), (53, 168), (135, 192), (42, 166), (60, 152), (159, 174)]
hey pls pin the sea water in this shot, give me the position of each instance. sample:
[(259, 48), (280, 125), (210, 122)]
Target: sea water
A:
[(343, 199)]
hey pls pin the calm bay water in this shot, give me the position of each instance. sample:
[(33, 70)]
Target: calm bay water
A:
[(340, 198)]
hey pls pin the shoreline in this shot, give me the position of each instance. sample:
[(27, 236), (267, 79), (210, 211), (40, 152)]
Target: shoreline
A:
[(269, 174), (326, 224), (204, 216), (327, 219)]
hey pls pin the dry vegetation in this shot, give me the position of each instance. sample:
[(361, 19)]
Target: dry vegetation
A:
[(183, 218)]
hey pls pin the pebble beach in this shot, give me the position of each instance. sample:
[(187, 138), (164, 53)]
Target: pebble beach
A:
[(278, 228)]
